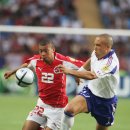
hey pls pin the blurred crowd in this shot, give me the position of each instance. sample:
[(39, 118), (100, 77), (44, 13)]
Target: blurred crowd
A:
[(16, 47), (115, 14)]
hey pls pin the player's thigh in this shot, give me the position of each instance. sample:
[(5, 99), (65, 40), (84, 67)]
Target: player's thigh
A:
[(30, 125), (77, 105), (37, 114), (54, 116)]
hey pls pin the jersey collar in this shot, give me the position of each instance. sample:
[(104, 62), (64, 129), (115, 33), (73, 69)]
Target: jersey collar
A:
[(109, 54)]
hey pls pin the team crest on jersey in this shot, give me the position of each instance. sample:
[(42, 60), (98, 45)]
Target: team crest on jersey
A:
[(105, 68), (57, 70)]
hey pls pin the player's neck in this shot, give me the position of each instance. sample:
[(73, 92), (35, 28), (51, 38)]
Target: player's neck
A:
[(50, 61)]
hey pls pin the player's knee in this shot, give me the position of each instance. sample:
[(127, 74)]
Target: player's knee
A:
[(69, 109)]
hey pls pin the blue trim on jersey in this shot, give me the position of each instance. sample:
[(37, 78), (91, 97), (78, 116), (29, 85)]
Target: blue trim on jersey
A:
[(109, 54), (68, 114), (114, 70)]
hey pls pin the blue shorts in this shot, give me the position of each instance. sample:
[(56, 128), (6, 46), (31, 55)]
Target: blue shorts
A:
[(101, 109)]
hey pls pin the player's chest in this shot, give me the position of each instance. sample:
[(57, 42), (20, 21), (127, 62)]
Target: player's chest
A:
[(97, 64), (48, 73), (42, 67)]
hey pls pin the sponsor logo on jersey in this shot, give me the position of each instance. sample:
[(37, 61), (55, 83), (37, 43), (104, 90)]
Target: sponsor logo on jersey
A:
[(39, 68)]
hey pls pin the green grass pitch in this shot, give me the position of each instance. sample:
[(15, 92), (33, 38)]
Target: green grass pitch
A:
[(14, 109)]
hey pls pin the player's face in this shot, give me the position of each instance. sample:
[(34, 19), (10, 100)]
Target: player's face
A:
[(100, 48), (47, 53)]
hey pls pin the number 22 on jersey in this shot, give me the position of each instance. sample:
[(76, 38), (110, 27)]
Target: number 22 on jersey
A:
[(47, 77)]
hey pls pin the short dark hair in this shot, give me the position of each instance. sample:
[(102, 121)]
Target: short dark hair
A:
[(45, 42)]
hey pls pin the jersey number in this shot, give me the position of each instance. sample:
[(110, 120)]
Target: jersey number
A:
[(37, 110), (47, 77)]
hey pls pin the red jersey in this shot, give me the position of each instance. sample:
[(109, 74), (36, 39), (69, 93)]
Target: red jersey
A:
[(51, 81)]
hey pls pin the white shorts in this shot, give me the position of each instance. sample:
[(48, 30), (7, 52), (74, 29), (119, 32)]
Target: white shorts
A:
[(46, 115)]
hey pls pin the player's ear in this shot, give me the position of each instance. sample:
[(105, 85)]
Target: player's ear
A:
[(53, 48)]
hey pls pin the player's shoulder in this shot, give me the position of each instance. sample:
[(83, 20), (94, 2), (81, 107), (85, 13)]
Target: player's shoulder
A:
[(59, 56), (111, 60), (34, 57), (64, 58), (111, 57)]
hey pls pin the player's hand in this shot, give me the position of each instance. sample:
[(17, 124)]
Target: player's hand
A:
[(8, 74), (63, 68)]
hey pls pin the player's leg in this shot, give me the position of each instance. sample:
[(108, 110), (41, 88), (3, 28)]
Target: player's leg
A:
[(75, 106), (100, 127), (47, 128), (54, 118), (30, 125), (35, 118), (105, 109)]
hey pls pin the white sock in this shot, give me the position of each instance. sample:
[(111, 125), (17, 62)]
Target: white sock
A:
[(67, 121)]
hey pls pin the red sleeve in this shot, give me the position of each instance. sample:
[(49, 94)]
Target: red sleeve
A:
[(76, 62), (32, 58)]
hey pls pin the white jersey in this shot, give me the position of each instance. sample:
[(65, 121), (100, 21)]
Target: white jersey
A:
[(107, 71)]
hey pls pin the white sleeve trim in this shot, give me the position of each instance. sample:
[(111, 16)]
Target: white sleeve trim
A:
[(32, 64), (70, 65), (81, 69)]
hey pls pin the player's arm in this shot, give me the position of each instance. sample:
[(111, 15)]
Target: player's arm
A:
[(80, 74), (26, 64), (86, 65), (10, 73)]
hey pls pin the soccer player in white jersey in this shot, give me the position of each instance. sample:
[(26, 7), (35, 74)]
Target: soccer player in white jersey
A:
[(51, 86), (99, 96)]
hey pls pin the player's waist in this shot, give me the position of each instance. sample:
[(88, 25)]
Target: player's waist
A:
[(102, 93), (55, 102)]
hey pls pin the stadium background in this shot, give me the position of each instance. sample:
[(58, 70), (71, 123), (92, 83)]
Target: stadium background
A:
[(15, 48)]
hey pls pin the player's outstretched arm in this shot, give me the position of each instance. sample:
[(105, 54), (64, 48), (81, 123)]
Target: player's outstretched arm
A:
[(80, 74), (10, 73), (87, 64)]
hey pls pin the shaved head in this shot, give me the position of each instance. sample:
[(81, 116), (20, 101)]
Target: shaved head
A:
[(106, 39), (103, 45)]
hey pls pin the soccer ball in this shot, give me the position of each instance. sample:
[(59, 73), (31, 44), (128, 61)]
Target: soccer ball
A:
[(24, 77)]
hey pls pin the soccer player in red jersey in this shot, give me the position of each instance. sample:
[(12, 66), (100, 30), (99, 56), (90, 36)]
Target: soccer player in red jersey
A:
[(51, 87)]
